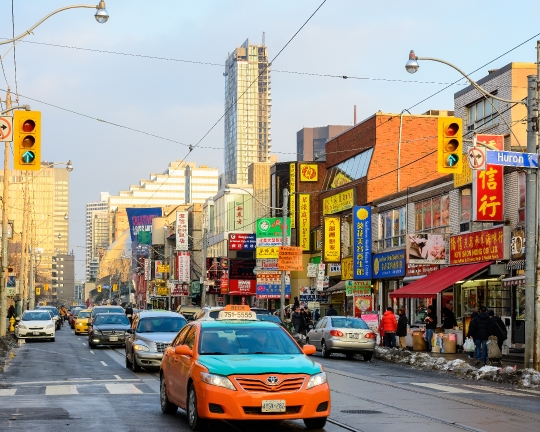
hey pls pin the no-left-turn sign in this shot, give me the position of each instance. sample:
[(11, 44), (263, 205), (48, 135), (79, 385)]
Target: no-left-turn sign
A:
[(477, 158), (6, 128)]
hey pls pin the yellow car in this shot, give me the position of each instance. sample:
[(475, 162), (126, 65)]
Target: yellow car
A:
[(81, 322)]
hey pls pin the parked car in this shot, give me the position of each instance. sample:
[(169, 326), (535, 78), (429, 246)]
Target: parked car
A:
[(81, 323), (105, 310), (341, 334), (269, 317), (35, 324), (188, 311), (56, 317), (73, 315), (150, 334), (108, 329), (208, 313)]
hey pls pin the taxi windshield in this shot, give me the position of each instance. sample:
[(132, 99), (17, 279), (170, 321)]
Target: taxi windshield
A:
[(246, 340), (83, 314)]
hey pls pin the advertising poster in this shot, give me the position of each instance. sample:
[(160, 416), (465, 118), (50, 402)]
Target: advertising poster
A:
[(362, 304), (332, 239), (488, 186), (290, 258), (182, 239), (140, 220), (358, 288), (304, 216), (426, 249), (242, 287), (292, 194), (362, 242)]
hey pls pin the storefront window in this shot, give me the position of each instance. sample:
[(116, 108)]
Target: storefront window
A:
[(432, 215), (392, 228), (520, 303), (498, 299)]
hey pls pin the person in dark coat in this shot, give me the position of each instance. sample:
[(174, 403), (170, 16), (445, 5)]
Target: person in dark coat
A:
[(480, 329), (11, 312), (317, 315), (297, 320), (473, 315), (448, 319), (401, 331), (331, 311), (499, 329), (431, 325), (296, 303)]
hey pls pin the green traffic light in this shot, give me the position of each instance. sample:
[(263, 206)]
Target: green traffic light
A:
[(452, 160), (28, 156)]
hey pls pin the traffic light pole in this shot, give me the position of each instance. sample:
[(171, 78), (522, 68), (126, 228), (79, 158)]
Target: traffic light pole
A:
[(203, 273), (31, 288)]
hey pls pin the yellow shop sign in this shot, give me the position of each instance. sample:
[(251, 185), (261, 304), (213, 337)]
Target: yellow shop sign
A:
[(338, 202)]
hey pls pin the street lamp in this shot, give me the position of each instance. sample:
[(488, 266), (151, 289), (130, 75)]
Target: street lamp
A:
[(101, 13), (532, 336)]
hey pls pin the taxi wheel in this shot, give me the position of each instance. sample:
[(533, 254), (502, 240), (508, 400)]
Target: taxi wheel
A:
[(166, 406), (195, 422), (315, 423), (324, 351), (134, 366)]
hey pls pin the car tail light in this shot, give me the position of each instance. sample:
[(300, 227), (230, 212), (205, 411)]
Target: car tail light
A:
[(336, 333), (370, 335)]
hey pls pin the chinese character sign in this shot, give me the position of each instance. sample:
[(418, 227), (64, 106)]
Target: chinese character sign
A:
[(182, 241), (488, 186), (183, 269), (239, 216), (362, 242), (347, 268), (332, 239), (292, 192), (478, 246), (304, 222), (339, 202), (309, 172)]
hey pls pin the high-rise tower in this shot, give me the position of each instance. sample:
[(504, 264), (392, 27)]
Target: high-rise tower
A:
[(247, 110)]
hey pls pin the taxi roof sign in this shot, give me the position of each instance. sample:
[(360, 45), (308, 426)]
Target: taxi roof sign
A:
[(237, 313)]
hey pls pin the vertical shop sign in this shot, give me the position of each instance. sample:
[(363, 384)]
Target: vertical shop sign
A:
[(157, 273), (488, 186), (182, 241), (362, 242), (292, 191), (332, 239), (304, 222), (146, 269), (347, 268), (238, 216), (183, 269)]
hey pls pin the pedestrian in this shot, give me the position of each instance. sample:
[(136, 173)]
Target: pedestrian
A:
[(402, 329), (296, 303), (389, 325), (448, 319), (302, 321), (331, 311), (11, 312), (499, 329), (431, 325), (296, 320), (473, 315), (129, 313), (317, 315), (480, 329)]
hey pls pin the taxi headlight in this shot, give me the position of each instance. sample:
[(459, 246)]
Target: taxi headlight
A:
[(217, 380), (141, 347), (50, 326), (316, 380)]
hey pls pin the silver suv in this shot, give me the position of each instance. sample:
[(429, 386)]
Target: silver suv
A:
[(150, 334)]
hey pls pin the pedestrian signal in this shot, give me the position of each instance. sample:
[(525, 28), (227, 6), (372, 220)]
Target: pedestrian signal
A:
[(450, 145), (27, 140)]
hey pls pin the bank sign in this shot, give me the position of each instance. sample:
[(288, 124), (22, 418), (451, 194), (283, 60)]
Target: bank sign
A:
[(389, 264)]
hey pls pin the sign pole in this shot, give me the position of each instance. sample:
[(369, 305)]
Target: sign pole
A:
[(284, 242), (203, 275), (536, 347)]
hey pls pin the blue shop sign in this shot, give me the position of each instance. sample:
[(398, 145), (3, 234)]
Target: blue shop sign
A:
[(362, 242), (389, 264), (272, 291)]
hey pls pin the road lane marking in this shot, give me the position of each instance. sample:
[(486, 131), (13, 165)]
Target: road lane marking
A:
[(118, 377), (122, 389), (56, 390), (79, 338), (103, 363), (495, 390), (7, 392), (443, 388), (77, 380), (92, 351), (84, 344)]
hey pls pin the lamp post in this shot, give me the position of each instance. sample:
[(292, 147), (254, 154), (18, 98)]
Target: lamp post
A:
[(532, 292)]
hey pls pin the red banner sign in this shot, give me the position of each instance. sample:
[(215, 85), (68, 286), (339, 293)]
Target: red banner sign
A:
[(488, 186), (242, 287), (487, 245)]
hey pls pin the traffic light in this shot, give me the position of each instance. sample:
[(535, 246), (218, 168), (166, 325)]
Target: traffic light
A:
[(115, 287), (450, 143), (46, 287), (38, 291), (27, 140), (99, 288)]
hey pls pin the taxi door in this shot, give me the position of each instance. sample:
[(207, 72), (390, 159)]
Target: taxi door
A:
[(180, 367), (170, 362)]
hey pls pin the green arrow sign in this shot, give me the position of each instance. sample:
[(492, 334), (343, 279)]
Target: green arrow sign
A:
[(28, 156)]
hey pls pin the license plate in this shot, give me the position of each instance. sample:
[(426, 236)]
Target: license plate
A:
[(353, 335), (273, 406), (36, 332), (113, 338)]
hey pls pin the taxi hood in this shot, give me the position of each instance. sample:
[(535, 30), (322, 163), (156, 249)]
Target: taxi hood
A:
[(254, 364)]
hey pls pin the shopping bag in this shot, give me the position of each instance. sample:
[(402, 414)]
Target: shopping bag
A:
[(468, 345), (493, 351)]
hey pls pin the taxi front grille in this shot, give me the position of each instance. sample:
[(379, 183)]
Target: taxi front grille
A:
[(258, 385), (257, 410)]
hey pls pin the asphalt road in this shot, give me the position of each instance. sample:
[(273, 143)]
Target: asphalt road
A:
[(51, 386)]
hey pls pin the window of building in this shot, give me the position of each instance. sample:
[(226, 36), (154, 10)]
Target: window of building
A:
[(432, 215), (482, 114), (521, 196), (347, 171), (466, 223), (392, 228)]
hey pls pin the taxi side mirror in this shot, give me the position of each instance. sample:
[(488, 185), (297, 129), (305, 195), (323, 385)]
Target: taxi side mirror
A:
[(309, 349), (185, 350)]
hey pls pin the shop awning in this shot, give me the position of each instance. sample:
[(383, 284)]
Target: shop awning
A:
[(434, 283)]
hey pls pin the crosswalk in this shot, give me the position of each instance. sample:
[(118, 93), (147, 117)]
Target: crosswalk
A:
[(79, 389), (476, 389)]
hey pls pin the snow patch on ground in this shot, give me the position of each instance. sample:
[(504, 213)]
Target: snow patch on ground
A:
[(421, 360)]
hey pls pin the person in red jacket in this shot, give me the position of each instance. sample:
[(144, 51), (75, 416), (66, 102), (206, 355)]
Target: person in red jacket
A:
[(389, 325)]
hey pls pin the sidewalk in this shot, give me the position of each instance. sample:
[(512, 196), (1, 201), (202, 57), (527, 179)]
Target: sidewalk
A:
[(512, 359)]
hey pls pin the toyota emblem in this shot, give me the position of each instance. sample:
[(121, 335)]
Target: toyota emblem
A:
[(272, 380)]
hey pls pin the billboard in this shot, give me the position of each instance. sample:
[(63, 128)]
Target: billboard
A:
[(140, 220), (426, 249)]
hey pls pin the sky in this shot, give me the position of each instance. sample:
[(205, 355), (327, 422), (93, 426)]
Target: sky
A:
[(178, 99)]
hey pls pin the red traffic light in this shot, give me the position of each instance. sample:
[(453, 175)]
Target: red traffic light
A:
[(28, 126), (452, 129)]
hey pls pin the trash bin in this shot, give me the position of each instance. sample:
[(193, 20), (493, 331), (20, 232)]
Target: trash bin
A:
[(419, 344), (449, 343)]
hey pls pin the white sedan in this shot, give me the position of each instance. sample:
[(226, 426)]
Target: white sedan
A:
[(35, 324)]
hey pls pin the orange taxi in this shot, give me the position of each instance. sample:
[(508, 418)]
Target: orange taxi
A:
[(81, 322), (239, 368)]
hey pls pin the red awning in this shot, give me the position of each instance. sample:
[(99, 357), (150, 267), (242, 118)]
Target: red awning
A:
[(434, 283)]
